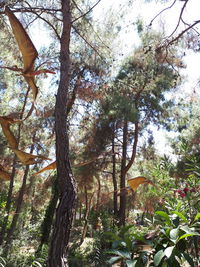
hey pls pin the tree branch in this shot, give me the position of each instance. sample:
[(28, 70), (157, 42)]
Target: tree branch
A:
[(84, 14)]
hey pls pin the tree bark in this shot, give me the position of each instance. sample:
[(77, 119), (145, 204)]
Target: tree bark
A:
[(66, 182), (122, 209), (88, 203), (114, 178), (8, 202), (48, 219)]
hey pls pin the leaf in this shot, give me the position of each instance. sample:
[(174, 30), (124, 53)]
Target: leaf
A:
[(27, 49), (168, 251), (164, 215), (180, 215), (158, 257), (131, 263), (187, 229), (36, 264), (174, 234), (188, 235), (51, 166), (135, 182), (114, 260), (4, 175), (121, 253), (27, 158), (5, 124), (197, 217)]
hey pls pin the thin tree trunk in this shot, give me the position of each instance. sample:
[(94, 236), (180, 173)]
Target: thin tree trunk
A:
[(66, 183), (87, 212), (122, 210), (114, 178), (98, 192), (11, 185), (18, 206), (48, 218), (8, 202)]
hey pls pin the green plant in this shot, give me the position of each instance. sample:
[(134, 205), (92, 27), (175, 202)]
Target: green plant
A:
[(125, 248), (2, 262), (175, 242)]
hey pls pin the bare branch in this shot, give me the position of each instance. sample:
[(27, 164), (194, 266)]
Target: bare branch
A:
[(83, 15), (179, 35), (162, 12), (75, 29), (180, 18)]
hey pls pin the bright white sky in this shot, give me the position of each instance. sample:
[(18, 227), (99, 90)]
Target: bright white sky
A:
[(169, 19), (129, 37)]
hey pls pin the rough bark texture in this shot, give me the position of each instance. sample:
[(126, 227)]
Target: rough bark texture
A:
[(66, 182), (122, 209), (114, 177)]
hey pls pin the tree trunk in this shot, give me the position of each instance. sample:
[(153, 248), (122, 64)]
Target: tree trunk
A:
[(66, 182), (88, 203), (8, 202), (98, 192), (19, 204), (9, 196), (122, 209), (48, 219), (114, 178)]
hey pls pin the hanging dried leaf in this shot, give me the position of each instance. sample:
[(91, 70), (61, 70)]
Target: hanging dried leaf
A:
[(28, 51), (135, 182), (51, 166), (27, 158), (4, 175), (5, 122)]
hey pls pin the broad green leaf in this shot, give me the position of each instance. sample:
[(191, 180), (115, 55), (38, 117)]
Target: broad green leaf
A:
[(158, 257), (174, 234), (131, 263), (164, 215), (187, 235), (187, 229), (180, 215), (114, 260), (197, 216), (121, 253), (168, 251), (36, 264)]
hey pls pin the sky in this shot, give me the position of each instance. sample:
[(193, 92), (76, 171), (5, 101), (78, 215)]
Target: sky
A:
[(129, 38), (168, 19)]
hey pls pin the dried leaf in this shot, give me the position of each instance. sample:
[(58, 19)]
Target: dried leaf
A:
[(4, 175), (5, 122), (27, 49), (135, 182), (27, 158), (51, 166)]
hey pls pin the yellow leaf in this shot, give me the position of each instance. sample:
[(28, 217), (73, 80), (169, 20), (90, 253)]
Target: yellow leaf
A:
[(27, 158), (27, 49), (135, 182), (51, 166), (5, 124)]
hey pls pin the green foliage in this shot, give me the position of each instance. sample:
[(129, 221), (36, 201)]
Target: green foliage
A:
[(175, 239), (125, 248)]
